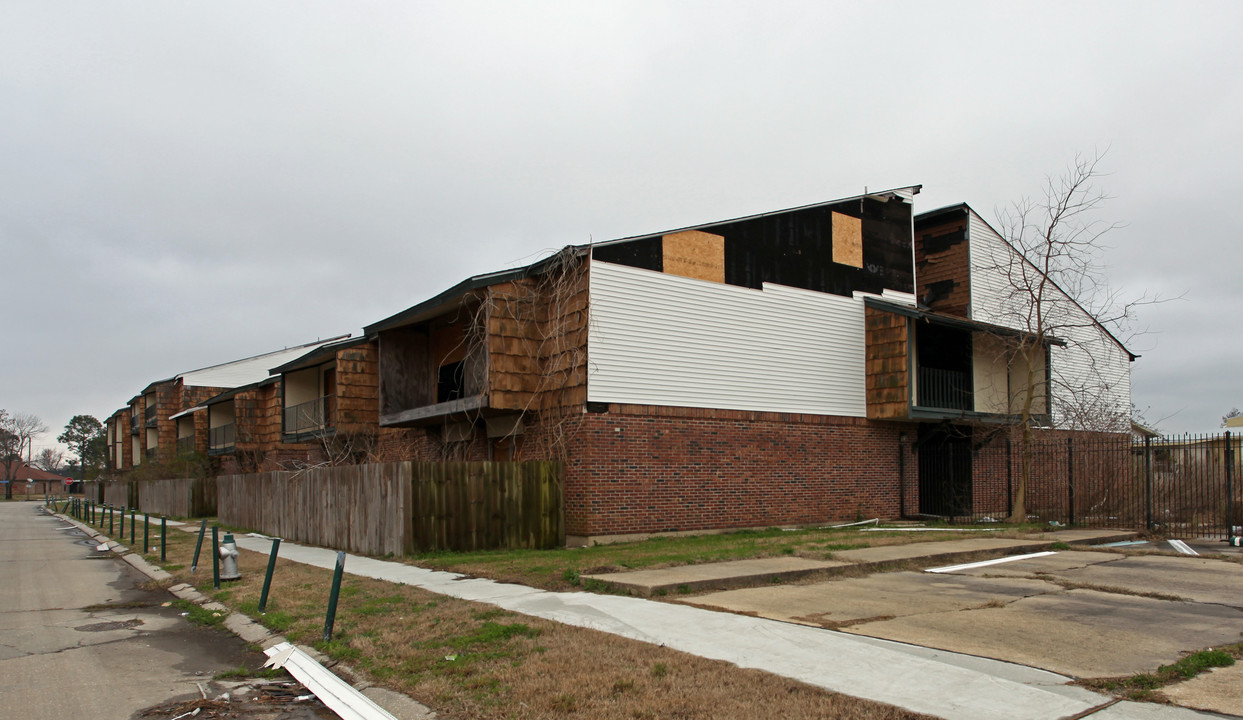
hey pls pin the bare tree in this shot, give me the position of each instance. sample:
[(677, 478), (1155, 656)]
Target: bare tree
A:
[(49, 459), (1055, 292), (17, 432)]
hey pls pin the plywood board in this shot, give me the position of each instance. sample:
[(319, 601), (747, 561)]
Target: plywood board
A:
[(847, 240), (694, 254)]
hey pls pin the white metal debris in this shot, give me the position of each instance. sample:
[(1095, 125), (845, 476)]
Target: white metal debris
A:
[(338, 695), (984, 563)]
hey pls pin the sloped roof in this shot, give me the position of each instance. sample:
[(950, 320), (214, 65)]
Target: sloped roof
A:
[(451, 298), (247, 370), (27, 472)]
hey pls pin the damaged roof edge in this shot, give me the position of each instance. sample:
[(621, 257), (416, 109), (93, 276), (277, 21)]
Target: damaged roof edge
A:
[(951, 320), (450, 298), (323, 351)]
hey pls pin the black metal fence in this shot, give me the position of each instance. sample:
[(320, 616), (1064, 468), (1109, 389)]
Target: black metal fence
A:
[(1187, 486)]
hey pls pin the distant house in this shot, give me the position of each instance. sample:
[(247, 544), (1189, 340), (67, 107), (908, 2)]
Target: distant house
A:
[(28, 478)]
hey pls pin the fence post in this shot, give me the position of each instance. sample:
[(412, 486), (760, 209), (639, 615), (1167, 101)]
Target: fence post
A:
[(267, 579), (1229, 487), (331, 617), (215, 557), (1009, 480), (198, 546), (1147, 483), (1070, 479)]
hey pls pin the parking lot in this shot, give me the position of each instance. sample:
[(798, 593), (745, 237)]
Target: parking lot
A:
[(1079, 613)]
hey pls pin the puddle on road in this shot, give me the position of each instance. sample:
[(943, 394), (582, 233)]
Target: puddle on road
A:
[(113, 625)]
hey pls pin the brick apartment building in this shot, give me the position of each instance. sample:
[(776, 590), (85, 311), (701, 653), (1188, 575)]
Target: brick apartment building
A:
[(760, 371)]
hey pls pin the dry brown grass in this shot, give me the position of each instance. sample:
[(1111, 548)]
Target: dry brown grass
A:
[(470, 660)]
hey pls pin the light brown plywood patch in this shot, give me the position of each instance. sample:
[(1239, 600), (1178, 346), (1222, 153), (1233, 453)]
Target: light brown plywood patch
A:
[(847, 240), (694, 254)]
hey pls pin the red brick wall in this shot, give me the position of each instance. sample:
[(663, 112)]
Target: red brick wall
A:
[(638, 470), (948, 265)]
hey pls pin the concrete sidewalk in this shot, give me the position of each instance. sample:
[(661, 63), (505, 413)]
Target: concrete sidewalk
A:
[(952, 686), (750, 573)]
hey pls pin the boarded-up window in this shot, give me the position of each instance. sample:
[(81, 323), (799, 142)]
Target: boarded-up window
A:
[(694, 254), (847, 240)]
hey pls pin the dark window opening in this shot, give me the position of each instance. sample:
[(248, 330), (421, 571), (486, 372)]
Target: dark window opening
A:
[(451, 381), (944, 357)]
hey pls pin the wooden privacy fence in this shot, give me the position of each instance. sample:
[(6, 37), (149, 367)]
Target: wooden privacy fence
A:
[(402, 507), (487, 505), (180, 497), (359, 508)]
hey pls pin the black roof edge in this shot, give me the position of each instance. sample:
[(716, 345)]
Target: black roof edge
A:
[(951, 320), (947, 210), (308, 360), (416, 313), (413, 313), (915, 190), (228, 394)]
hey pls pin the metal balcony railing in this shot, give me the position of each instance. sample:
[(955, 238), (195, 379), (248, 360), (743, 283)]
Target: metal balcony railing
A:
[(221, 438), (945, 389), (185, 444), (149, 414), (307, 417)]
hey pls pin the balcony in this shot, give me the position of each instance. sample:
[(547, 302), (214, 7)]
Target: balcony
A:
[(308, 418), (221, 439), (149, 414), (150, 453), (134, 425), (945, 389), (185, 445)]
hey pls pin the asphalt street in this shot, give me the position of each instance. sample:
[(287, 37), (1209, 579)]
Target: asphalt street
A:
[(81, 637)]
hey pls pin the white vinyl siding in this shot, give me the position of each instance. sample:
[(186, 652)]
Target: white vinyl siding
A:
[(657, 339), (1091, 375)]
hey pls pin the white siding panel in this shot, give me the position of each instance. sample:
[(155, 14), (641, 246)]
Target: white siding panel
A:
[(1091, 374), (657, 339)]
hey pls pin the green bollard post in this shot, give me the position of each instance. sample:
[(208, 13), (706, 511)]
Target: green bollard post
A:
[(110, 526), (267, 579), (198, 546), (122, 536), (146, 533), (163, 534), (215, 557), (332, 596), (133, 524)]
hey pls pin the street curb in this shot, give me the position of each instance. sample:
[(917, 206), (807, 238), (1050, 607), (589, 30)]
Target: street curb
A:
[(237, 623)]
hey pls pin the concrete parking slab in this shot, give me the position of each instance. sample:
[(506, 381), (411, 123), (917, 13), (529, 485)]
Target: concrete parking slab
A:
[(715, 575), (1062, 560), (1082, 633), (1220, 690), (884, 596), (1199, 579)]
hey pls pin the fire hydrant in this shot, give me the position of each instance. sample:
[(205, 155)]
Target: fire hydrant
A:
[(228, 559)]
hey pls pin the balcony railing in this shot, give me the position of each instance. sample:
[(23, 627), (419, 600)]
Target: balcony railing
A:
[(185, 444), (945, 389), (308, 417), (221, 438), (133, 423), (150, 453), (149, 414)]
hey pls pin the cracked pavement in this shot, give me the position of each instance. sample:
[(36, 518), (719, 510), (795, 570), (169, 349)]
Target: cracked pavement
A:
[(1078, 613), (80, 637)]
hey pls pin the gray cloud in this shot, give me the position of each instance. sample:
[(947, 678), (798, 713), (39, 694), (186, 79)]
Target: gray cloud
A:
[(185, 185)]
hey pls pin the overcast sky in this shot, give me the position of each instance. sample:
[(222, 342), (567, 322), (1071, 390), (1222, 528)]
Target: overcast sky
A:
[(183, 184)]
